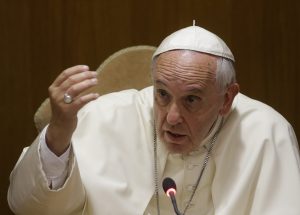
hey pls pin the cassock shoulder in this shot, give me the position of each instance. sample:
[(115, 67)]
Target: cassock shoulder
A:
[(248, 107), (257, 120), (126, 100), (256, 151), (254, 128)]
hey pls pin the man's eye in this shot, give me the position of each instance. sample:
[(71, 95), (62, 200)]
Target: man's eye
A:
[(162, 93), (162, 97), (192, 99)]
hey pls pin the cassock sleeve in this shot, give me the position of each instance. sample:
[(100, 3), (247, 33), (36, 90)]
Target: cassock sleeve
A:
[(277, 189), (257, 164), (29, 192)]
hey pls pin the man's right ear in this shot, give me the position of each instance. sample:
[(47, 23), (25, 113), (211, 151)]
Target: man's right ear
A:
[(229, 95)]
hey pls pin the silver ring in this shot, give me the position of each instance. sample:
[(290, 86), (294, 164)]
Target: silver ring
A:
[(67, 98)]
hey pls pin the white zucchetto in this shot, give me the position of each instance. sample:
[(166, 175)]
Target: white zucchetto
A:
[(195, 38)]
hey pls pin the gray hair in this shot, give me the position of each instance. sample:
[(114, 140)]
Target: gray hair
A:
[(225, 73)]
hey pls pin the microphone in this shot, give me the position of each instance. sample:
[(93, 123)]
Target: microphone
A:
[(169, 187)]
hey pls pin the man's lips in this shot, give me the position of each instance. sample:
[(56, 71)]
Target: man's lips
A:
[(174, 137), (175, 134)]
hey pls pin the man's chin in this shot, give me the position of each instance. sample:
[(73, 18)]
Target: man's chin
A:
[(175, 148)]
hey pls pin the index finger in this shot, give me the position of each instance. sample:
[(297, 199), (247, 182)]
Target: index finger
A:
[(68, 72)]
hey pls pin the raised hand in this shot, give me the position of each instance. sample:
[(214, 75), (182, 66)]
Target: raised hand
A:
[(66, 99)]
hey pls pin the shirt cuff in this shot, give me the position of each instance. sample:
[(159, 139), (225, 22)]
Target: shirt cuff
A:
[(55, 167)]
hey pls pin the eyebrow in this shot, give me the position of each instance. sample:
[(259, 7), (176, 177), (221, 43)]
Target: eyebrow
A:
[(160, 82), (194, 90)]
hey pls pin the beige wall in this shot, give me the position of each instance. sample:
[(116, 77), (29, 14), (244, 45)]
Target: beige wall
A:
[(38, 39)]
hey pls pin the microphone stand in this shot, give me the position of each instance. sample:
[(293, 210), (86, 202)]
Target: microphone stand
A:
[(169, 187), (174, 203)]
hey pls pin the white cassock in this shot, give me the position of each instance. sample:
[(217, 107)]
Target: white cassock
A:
[(254, 168)]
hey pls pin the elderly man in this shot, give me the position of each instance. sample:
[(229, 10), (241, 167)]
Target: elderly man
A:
[(228, 154)]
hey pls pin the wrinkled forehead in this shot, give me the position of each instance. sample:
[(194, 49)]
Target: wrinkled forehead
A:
[(185, 61), (186, 69)]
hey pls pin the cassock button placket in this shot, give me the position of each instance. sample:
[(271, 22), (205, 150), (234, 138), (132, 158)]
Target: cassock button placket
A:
[(190, 188), (191, 166), (191, 204), (195, 152)]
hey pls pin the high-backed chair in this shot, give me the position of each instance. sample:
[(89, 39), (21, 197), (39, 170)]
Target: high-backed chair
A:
[(128, 68)]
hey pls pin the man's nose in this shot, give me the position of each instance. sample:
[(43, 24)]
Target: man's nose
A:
[(174, 116)]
